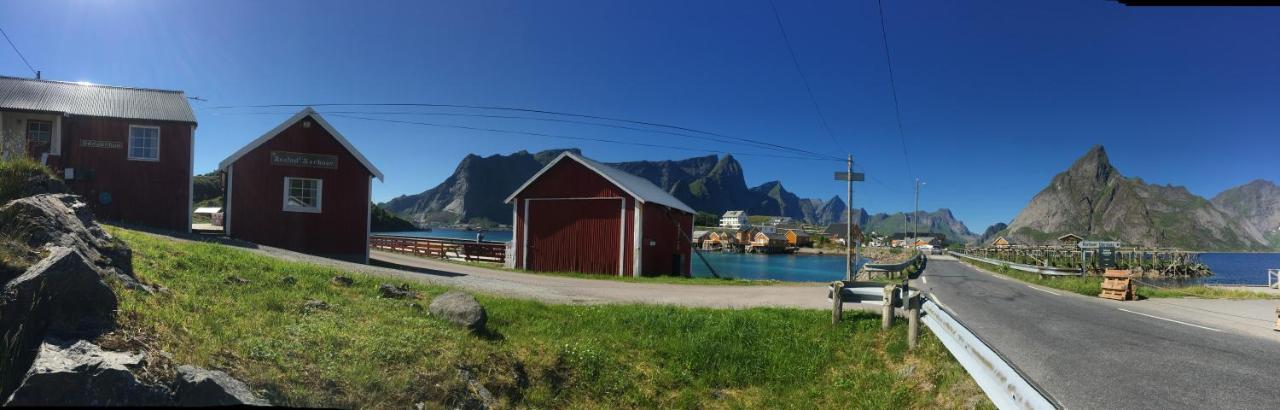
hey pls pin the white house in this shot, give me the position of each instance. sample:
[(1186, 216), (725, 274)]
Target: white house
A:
[(733, 219)]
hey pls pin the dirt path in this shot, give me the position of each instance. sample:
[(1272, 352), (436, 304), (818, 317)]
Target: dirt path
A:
[(557, 289)]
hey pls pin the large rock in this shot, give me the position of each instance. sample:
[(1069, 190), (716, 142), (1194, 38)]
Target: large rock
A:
[(459, 308), (82, 374), (203, 387), (62, 220), (62, 295)]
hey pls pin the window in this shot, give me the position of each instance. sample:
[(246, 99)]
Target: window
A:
[(144, 143), (39, 132), (302, 194)]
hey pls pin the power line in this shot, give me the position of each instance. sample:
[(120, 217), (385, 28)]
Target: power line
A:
[(560, 120), (604, 140), (796, 61), (893, 88), (536, 111), (15, 49)]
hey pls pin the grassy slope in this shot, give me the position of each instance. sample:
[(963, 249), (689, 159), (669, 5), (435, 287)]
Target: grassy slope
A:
[(1092, 285), (371, 352)]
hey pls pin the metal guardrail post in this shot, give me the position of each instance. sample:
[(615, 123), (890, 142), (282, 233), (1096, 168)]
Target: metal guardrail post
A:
[(837, 301), (913, 321)]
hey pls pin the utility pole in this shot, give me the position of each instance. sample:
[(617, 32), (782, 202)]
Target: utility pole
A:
[(849, 257), (915, 215)]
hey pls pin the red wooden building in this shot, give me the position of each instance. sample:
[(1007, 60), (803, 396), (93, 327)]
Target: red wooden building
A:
[(579, 215), (301, 186), (126, 151)]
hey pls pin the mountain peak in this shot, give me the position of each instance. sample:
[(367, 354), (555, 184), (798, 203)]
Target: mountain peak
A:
[(1093, 165)]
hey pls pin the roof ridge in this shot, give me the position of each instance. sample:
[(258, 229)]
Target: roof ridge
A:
[(87, 84)]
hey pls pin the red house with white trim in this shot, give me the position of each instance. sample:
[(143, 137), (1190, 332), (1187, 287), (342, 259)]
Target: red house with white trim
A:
[(578, 215), (127, 151), (301, 186)]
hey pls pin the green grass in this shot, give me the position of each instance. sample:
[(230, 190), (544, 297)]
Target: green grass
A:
[(1092, 285), (22, 177), (382, 353)]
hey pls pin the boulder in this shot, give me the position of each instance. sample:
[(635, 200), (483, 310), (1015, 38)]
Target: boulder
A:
[(62, 220), (342, 281), (82, 374), (203, 387), (62, 295), (459, 308), (390, 291)]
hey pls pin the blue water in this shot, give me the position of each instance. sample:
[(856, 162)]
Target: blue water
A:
[(789, 268), (489, 236), (1239, 268)]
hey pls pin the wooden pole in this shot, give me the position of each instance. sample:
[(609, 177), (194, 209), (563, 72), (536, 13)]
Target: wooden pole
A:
[(837, 301), (886, 311), (913, 321)]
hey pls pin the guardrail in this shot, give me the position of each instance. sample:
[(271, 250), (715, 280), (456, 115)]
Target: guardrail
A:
[(893, 267), (442, 248), (1007, 387), (1043, 270)]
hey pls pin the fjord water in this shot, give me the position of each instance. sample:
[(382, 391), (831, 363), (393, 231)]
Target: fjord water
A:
[(789, 268), (1239, 268)]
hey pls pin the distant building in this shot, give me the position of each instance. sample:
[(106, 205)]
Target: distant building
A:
[(768, 242), (797, 238), (1001, 242), (733, 219), (699, 237), (1069, 240), (301, 186), (837, 232), (578, 215), (127, 151)]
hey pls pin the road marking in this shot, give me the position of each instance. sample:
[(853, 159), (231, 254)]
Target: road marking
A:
[(1045, 290), (924, 279), (1170, 320)]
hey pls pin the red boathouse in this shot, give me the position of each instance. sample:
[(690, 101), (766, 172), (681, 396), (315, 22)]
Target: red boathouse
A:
[(126, 151), (578, 215), (301, 186)]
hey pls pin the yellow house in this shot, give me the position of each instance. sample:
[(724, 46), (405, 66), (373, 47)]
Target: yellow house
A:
[(1001, 242), (798, 238)]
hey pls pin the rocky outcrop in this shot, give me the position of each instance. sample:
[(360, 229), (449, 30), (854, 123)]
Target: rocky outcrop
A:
[(460, 309), (61, 296), (82, 374), (63, 220), (1256, 203), (198, 387), (1092, 199)]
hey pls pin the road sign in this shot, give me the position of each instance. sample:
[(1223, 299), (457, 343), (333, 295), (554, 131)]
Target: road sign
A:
[(1107, 257), (851, 176), (1098, 244)]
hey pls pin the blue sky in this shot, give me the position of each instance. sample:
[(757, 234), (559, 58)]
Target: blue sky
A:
[(996, 96)]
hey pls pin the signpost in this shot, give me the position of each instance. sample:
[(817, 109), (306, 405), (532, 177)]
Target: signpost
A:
[(1106, 251), (849, 256)]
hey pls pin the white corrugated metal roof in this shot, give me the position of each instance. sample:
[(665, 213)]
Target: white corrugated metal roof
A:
[(638, 187), (94, 100)]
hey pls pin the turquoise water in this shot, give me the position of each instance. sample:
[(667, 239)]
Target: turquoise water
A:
[(789, 268), (489, 236)]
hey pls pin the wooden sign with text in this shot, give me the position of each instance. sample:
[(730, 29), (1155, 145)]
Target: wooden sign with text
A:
[(299, 159)]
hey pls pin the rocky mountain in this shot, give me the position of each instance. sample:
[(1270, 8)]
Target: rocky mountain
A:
[(708, 184), (941, 221), (1092, 199), (992, 232), (834, 211), (1256, 203), (475, 191)]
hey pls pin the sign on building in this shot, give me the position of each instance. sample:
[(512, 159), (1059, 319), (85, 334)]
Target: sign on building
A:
[(299, 159), (101, 144)]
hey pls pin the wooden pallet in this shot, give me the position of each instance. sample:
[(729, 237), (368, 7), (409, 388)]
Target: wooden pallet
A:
[(1117, 285)]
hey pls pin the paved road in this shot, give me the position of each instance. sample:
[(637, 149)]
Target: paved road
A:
[(1090, 354)]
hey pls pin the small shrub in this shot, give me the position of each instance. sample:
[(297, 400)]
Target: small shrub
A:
[(23, 177)]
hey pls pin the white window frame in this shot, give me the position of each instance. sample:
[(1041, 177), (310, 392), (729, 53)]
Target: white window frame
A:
[(304, 209), (130, 144)]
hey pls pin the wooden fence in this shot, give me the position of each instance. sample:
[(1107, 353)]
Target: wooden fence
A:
[(470, 251)]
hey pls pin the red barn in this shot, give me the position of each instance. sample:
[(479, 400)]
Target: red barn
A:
[(578, 215), (126, 151), (303, 187)]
